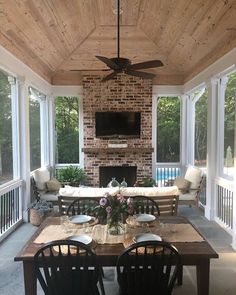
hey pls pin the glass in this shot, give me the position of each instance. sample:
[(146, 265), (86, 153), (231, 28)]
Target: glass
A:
[(123, 183), (65, 223), (201, 130), (229, 125), (113, 183), (6, 158), (115, 226), (168, 129), (67, 130), (35, 132)]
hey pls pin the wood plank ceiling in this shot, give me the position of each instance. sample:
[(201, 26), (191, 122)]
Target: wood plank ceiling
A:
[(54, 37)]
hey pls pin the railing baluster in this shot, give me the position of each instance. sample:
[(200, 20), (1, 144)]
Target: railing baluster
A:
[(9, 208), (224, 201)]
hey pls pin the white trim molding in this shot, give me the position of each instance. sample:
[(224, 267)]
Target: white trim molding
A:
[(67, 91), (222, 66), (167, 90)]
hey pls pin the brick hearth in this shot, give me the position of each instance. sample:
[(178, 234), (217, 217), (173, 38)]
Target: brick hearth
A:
[(124, 93)]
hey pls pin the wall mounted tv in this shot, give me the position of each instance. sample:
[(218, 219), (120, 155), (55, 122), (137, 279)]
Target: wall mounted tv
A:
[(118, 124)]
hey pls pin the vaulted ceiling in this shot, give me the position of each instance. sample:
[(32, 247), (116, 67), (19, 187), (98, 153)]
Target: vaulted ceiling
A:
[(56, 37)]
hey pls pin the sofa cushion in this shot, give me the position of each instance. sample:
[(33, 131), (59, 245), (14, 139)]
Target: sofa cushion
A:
[(50, 197), (182, 184), (194, 175), (191, 196), (53, 185), (148, 191), (88, 191)]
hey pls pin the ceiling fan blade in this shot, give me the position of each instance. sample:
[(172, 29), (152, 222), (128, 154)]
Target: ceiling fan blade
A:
[(109, 77), (143, 75), (111, 64), (146, 65), (92, 70)]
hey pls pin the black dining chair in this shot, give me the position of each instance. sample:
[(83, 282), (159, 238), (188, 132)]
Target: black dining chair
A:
[(82, 205), (144, 204), (149, 267), (165, 206), (68, 267)]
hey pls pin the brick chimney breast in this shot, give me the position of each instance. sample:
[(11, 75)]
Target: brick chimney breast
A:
[(123, 93)]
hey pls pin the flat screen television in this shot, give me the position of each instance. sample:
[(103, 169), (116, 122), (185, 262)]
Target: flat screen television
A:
[(117, 124)]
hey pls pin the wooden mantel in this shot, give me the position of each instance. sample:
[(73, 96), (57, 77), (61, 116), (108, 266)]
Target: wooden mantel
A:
[(96, 150)]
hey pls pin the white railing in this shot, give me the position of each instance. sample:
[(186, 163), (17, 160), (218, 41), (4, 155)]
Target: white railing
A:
[(224, 203), (10, 207), (166, 172)]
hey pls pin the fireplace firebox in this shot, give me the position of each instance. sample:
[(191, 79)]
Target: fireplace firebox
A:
[(119, 172)]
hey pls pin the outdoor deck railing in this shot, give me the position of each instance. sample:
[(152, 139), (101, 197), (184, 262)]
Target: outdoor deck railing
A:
[(224, 202), (166, 171), (10, 206)]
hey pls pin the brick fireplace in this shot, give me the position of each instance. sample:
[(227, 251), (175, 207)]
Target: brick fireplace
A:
[(124, 93)]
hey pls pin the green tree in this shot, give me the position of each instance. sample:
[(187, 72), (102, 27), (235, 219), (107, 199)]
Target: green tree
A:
[(201, 130), (6, 167), (168, 129), (67, 129), (230, 109), (35, 137)]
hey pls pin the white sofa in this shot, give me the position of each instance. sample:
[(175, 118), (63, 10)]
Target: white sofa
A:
[(69, 191), (166, 197)]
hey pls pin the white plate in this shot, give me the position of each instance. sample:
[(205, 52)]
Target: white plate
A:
[(81, 238), (145, 218), (79, 219), (146, 237)]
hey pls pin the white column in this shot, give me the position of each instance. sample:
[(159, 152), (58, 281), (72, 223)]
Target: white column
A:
[(184, 133), (234, 203), (154, 136), (43, 130), (220, 124), (210, 208), (190, 135), (81, 131), (24, 143), (51, 130)]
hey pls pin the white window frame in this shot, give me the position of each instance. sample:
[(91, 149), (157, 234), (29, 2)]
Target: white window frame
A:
[(194, 100), (44, 134), (168, 91), (180, 142)]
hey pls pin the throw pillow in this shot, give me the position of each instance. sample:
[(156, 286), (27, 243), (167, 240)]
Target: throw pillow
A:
[(182, 184), (53, 185)]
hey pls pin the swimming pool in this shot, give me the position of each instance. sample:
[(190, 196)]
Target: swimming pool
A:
[(163, 174)]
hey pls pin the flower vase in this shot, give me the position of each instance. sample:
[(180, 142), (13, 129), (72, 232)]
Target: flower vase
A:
[(115, 225)]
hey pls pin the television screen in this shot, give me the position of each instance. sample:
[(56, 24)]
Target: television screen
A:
[(117, 124)]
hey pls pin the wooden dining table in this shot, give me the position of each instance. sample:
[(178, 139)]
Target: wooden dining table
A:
[(196, 253)]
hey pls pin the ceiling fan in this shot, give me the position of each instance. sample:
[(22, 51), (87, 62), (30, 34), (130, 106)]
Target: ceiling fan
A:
[(124, 65)]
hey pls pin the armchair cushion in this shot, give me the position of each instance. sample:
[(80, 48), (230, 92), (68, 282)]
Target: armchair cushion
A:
[(53, 185), (191, 196), (182, 184), (194, 175), (41, 176)]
